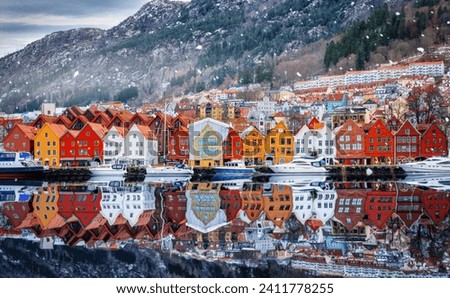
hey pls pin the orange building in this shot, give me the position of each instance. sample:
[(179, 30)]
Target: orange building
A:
[(278, 203), (279, 144), (253, 146)]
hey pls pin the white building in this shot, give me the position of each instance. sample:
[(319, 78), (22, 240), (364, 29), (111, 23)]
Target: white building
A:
[(303, 203), (113, 144), (111, 204), (141, 145), (315, 138)]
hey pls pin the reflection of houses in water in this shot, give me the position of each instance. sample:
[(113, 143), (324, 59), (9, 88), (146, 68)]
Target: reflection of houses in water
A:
[(349, 211), (381, 202), (230, 202), (302, 205), (45, 207), (323, 204), (203, 212), (252, 201), (409, 205), (277, 203), (436, 204)]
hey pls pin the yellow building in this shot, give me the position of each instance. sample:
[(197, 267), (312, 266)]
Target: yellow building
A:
[(46, 144), (279, 144), (45, 206), (211, 110), (206, 138), (253, 142)]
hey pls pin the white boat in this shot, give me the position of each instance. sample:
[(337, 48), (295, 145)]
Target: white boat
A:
[(19, 165), (434, 181), (430, 165), (114, 169), (178, 170), (234, 169), (301, 165)]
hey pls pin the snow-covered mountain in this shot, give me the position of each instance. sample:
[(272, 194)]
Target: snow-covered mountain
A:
[(172, 45)]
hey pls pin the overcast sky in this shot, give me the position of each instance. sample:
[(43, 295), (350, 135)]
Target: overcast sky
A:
[(24, 21)]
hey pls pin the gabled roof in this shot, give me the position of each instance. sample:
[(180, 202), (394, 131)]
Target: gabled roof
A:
[(146, 132), (315, 124), (58, 129), (145, 118), (99, 129), (64, 120), (28, 131), (102, 115), (44, 118), (165, 118)]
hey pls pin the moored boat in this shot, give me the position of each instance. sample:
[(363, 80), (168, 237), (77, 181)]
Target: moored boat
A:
[(301, 165), (430, 165), (178, 170), (115, 169), (19, 165), (234, 169)]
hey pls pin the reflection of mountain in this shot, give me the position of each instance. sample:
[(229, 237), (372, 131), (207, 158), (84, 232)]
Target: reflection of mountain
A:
[(23, 259)]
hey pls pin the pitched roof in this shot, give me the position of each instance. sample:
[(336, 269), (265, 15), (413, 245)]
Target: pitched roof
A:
[(146, 132), (58, 129), (98, 128), (29, 131)]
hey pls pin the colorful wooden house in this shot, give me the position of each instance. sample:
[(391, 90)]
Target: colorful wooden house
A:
[(86, 205), (407, 143), (114, 144), (141, 145), (379, 143), (253, 146), (160, 126), (89, 143), (68, 148), (179, 145), (302, 203), (47, 144), (41, 120), (279, 145), (20, 138), (350, 148), (433, 141), (206, 139), (409, 205), (315, 139), (232, 146)]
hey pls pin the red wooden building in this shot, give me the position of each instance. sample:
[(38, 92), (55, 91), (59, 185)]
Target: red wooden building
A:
[(89, 142), (68, 148), (179, 145), (379, 143), (409, 205), (20, 138), (407, 143), (161, 126), (349, 208), (350, 146), (433, 141), (233, 147)]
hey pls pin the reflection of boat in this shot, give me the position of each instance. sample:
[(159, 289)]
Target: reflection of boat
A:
[(166, 179), (114, 169), (234, 169), (300, 165), (297, 180), (232, 183), (19, 165), (438, 182), (178, 170), (19, 193), (429, 165)]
